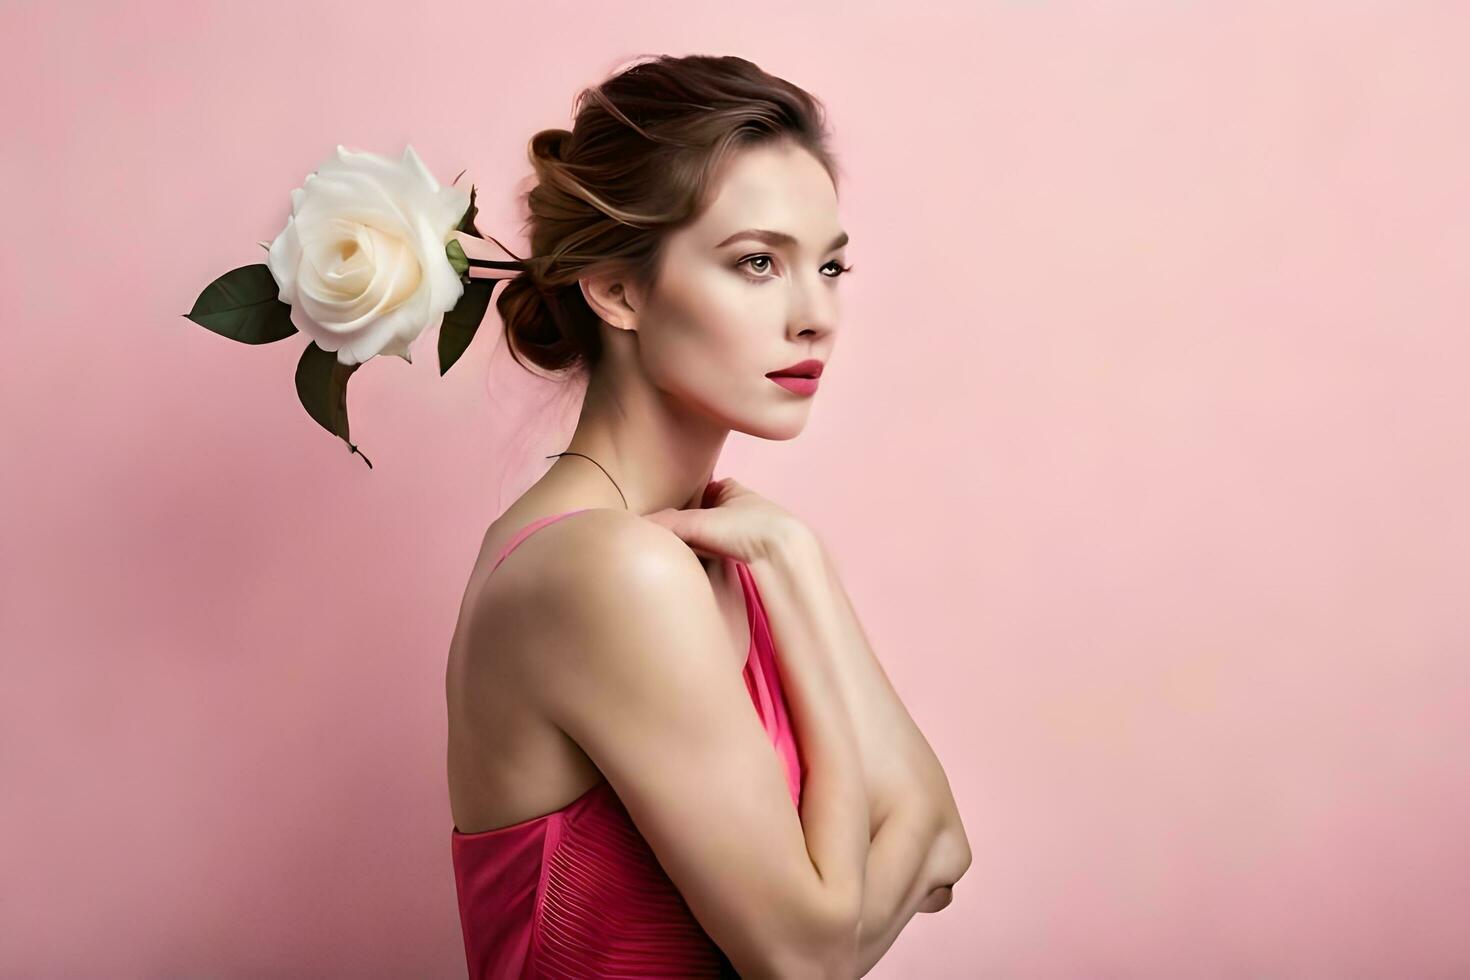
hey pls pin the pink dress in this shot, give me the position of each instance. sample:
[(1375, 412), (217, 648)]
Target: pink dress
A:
[(578, 892)]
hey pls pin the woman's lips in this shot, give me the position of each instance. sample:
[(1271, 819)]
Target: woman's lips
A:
[(793, 383)]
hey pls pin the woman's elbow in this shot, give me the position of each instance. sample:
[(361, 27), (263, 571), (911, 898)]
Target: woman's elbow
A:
[(937, 900), (951, 855)]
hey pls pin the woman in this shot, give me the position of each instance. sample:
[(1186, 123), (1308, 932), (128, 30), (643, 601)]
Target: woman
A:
[(618, 806)]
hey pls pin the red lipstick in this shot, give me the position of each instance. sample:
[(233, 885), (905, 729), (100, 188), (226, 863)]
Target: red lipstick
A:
[(800, 378)]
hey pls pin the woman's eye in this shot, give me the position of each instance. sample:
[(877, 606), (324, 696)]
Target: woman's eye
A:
[(841, 269), (758, 258)]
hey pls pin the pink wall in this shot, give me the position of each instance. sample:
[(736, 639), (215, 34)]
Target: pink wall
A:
[(1149, 427)]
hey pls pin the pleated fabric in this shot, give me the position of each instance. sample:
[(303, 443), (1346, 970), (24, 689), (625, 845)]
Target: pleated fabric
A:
[(578, 892)]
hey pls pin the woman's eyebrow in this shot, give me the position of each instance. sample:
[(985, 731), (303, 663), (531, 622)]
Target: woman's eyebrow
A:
[(777, 238)]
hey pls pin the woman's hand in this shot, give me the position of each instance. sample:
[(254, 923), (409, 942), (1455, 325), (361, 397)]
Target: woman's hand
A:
[(732, 521)]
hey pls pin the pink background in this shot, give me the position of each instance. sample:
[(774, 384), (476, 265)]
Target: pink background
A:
[(1144, 455)]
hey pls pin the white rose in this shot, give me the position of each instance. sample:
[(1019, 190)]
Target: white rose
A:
[(361, 261)]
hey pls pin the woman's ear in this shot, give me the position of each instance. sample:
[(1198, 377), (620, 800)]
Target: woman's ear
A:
[(610, 298)]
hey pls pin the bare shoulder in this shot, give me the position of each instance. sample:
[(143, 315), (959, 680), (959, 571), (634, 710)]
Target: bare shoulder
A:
[(568, 551), (588, 565)]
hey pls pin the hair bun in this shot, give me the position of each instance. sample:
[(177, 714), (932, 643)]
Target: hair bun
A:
[(548, 143)]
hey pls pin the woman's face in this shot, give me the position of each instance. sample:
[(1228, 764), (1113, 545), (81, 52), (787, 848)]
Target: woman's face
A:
[(731, 306)]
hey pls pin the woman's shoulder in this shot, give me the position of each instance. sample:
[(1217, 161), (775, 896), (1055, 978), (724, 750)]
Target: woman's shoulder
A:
[(578, 554)]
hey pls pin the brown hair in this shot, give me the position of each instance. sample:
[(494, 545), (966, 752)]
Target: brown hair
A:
[(640, 160)]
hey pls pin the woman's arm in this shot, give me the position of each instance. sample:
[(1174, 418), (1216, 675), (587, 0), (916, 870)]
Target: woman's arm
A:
[(804, 622), (918, 848), (911, 838)]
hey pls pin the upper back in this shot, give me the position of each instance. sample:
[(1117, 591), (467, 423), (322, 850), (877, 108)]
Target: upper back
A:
[(505, 759)]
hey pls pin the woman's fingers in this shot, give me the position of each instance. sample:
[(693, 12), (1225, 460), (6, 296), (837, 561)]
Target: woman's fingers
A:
[(684, 523), (729, 522)]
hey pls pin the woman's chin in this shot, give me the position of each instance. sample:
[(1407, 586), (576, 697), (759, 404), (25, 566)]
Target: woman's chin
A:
[(779, 429)]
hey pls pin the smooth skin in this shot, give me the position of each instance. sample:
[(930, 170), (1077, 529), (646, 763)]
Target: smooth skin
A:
[(614, 594)]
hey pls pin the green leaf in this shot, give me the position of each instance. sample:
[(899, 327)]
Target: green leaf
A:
[(321, 384), (460, 323), (244, 305), (457, 258), (467, 223)]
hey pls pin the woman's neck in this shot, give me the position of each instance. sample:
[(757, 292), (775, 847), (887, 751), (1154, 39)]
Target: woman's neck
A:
[(658, 454)]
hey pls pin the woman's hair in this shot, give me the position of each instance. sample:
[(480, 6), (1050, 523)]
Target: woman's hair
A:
[(640, 160)]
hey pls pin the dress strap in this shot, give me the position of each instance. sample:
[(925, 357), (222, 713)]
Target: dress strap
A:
[(528, 530)]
